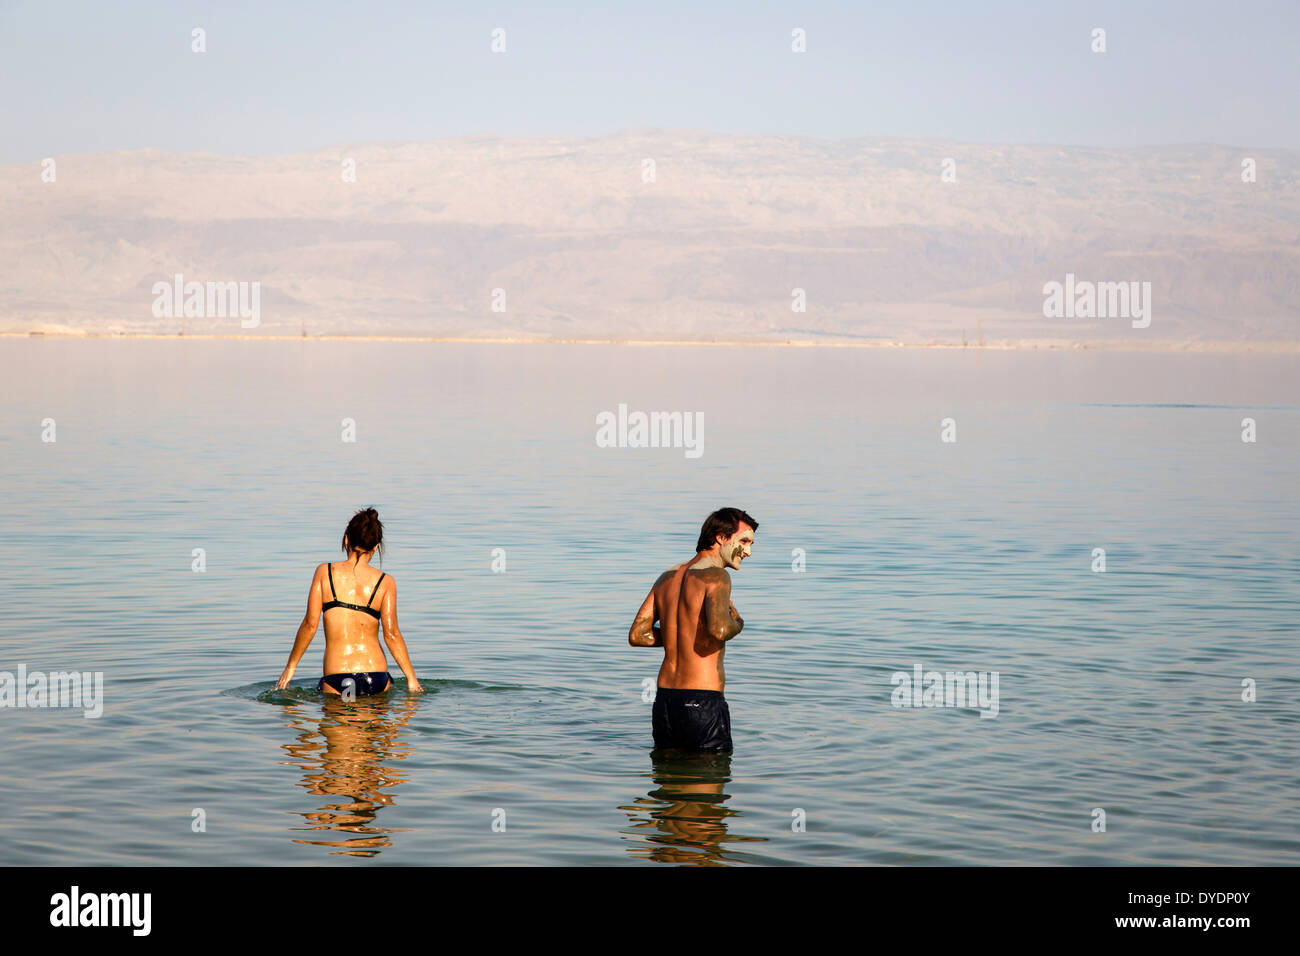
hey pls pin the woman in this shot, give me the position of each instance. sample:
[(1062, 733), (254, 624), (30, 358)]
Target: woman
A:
[(353, 656)]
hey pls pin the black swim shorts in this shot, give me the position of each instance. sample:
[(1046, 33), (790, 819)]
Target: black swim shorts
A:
[(375, 682), (692, 720)]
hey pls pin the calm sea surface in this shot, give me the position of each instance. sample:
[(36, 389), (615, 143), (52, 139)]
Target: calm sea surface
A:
[(1119, 691)]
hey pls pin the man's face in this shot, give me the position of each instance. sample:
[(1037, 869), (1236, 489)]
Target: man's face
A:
[(735, 549)]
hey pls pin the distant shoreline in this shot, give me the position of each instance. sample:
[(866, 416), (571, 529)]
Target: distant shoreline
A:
[(1023, 345)]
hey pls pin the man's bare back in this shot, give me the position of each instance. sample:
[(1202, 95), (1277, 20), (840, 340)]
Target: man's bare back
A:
[(692, 603)]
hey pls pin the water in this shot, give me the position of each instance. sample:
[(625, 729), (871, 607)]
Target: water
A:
[(1119, 690)]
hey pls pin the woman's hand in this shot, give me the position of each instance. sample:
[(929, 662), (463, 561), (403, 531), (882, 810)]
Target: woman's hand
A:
[(285, 677), (413, 686)]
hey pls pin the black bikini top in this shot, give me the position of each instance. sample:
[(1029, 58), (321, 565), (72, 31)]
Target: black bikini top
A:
[(373, 612)]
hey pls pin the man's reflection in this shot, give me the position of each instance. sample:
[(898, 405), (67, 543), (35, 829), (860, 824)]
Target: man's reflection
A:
[(684, 819)]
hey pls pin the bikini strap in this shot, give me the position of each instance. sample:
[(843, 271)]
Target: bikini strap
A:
[(376, 590), (330, 568)]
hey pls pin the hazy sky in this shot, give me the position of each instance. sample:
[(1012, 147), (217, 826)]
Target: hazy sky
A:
[(288, 76)]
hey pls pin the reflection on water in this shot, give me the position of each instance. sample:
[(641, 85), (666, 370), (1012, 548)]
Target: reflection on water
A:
[(350, 750), (683, 820)]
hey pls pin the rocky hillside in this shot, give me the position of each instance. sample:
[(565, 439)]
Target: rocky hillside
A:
[(584, 242)]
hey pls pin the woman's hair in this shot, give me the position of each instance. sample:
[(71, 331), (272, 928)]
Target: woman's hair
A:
[(365, 532)]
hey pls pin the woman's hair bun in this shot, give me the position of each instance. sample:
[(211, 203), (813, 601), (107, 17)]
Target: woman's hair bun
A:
[(365, 532)]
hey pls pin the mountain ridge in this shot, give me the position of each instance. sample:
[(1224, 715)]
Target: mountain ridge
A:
[(716, 245)]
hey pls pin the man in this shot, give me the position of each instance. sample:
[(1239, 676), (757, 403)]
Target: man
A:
[(689, 614)]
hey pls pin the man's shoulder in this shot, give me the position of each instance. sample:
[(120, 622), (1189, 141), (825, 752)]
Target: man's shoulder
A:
[(710, 575)]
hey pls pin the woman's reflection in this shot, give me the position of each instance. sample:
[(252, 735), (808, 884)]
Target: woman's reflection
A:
[(351, 749)]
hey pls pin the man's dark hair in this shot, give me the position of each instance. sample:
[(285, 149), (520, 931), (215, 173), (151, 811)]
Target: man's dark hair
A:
[(725, 522)]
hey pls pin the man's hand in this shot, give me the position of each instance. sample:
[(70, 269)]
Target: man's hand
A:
[(736, 617)]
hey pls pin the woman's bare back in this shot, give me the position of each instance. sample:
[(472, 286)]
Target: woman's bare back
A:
[(352, 636)]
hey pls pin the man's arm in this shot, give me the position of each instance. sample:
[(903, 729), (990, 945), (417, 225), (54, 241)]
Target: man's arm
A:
[(647, 629), (644, 632), (723, 621)]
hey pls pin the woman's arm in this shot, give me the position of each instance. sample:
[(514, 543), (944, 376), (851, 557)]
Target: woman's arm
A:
[(306, 630), (393, 635)]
